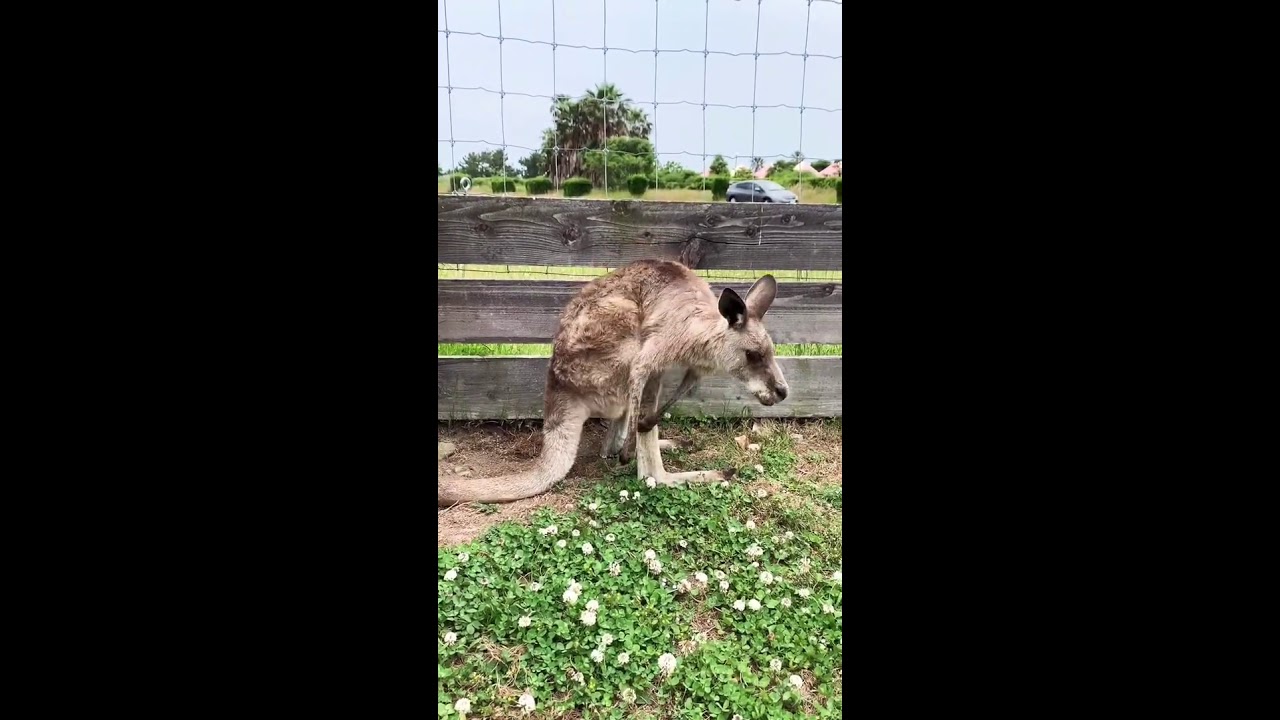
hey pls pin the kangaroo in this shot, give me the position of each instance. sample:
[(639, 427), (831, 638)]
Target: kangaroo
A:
[(616, 339)]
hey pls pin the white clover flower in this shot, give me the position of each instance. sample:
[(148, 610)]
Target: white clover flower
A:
[(775, 665), (754, 551), (739, 605), (759, 468), (754, 604), (588, 618), (597, 656), (587, 549), (571, 596), (606, 639), (651, 482), (724, 483), (593, 523), (463, 557), (684, 543), (484, 581), (593, 605), (450, 638), (786, 602), (577, 676), (755, 564), (684, 586), (562, 544), (463, 706), (804, 592), (836, 577), (594, 506), (575, 533), (750, 524), (451, 575), (766, 577), (796, 680), (610, 537), (736, 716), (667, 663), (624, 658), (789, 535), (804, 565), (827, 609), (535, 586), (719, 574), (524, 621), (776, 540), (624, 495), (615, 569), (655, 567), (628, 695), (526, 702), (724, 584), (549, 530), (700, 577), (636, 494), (650, 555)]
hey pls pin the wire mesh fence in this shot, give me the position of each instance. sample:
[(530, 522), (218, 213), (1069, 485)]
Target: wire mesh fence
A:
[(568, 151)]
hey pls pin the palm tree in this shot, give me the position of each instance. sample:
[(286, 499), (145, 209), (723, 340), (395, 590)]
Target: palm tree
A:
[(587, 124)]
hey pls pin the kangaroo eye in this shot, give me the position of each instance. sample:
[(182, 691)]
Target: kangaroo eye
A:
[(753, 356)]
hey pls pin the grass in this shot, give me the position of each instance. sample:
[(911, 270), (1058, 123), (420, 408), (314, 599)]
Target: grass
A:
[(807, 195), (744, 642)]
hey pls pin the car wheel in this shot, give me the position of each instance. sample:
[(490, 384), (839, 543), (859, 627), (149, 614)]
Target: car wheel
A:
[(766, 199), (733, 199)]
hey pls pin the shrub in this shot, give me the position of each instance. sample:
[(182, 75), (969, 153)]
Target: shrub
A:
[(653, 182), (501, 185), (538, 185), (719, 186), (820, 165), (840, 190), (637, 184), (576, 187), (817, 182), (696, 183), (742, 174)]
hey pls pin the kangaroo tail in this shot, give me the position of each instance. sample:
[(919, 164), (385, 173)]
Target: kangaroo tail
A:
[(560, 439)]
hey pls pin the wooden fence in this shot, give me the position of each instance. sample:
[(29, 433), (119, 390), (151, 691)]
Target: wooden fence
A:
[(602, 233)]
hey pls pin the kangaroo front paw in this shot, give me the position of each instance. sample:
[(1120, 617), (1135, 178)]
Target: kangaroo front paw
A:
[(628, 451)]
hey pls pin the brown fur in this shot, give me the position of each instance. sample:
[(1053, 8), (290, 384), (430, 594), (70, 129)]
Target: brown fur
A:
[(616, 339)]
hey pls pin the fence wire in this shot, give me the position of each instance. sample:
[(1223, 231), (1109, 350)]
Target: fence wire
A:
[(557, 152)]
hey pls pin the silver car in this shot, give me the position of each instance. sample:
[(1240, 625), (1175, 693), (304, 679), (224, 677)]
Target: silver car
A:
[(759, 191)]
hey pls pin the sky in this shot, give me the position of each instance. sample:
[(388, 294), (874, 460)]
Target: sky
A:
[(480, 119)]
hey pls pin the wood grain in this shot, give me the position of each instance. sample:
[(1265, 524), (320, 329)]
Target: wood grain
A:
[(528, 311), (487, 388), (612, 233)]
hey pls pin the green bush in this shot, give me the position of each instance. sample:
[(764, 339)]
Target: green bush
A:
[(719, 186), (814, 181), (576, 187), (653, 182), (743, 174), (840, 190), (538, 185), (820, 165), (501, 185), (637, 184), (696, 183)]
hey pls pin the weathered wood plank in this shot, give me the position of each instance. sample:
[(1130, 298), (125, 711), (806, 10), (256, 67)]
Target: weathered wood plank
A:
[(612, 233), (487, 388), (528, 311)]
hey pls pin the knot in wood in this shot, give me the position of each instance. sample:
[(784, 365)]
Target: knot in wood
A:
[(570, 234), (786, 219), (483, 228), (751, 230)]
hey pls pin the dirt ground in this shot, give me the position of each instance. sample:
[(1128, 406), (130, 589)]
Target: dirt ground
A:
[(489, 449)]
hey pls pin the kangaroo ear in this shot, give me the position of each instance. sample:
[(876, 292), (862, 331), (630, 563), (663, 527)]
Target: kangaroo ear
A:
[(760, 296), (732, 308)]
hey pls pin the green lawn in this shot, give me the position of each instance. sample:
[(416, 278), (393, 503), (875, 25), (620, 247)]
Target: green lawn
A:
[(634, 602)]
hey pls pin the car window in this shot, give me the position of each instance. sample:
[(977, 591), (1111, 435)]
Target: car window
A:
[(743, 186), (771, 186)]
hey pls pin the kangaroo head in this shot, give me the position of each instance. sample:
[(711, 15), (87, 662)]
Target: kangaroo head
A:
[(747, 351)]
